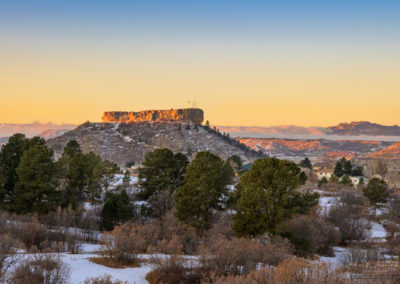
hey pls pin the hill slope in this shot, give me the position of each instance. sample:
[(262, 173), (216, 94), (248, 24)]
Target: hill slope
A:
[(123, 142), (296, 149), (391, 152)]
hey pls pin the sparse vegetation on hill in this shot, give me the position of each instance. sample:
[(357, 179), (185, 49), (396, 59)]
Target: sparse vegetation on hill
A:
[(125, 142)]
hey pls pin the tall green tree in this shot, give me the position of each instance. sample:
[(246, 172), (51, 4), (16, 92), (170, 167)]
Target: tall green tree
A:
[(72, 148), (117, 209), (206, 181), (306, 163), (10, 156), (268, 196), (161, 174), (235, 162), (347, 168), (339, 168), (36, 188), (162, 170), (376, 191)]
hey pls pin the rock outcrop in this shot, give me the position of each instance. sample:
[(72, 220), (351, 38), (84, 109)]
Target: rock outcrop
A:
[(194, 115)]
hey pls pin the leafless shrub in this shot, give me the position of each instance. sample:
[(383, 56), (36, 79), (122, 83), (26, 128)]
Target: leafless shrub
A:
[(171, 247), (238, 256), (8, 250), (34, 235), (44, 268), (358, 256), (174, 269), (168, 270), (381, 272), (222, 226), (311, 235), (126, 241), (187, 235), (262, 276), (351, 221), (297, 270), (293, 270), (105, 279)]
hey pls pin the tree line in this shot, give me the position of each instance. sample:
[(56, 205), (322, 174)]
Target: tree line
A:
[(32, 181)]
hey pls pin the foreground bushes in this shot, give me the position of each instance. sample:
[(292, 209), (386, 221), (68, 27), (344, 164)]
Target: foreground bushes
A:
[(239, 256), (217, 258), (292, 270), (43, 268)]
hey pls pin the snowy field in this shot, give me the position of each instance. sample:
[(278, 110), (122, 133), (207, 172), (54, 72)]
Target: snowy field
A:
[(82, 268)]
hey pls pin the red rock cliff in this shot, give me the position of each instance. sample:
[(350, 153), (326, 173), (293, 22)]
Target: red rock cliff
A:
[(194, 115)]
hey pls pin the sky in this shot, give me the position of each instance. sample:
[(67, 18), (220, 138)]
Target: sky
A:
[(256, 63)]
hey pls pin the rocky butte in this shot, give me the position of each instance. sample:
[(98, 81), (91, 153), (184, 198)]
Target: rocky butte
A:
[(194, 115)]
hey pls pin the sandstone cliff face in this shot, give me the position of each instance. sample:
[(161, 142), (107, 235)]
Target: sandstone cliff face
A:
[(194, 115)]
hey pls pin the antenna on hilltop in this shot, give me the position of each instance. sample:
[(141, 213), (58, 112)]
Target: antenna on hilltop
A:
[(193, 103)]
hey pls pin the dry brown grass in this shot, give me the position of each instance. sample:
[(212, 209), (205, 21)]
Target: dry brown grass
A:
[(114, 262)]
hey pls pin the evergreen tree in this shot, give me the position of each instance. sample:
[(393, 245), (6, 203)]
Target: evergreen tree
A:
[(346, 180), (347, 168), (85, 175), (72, 148), (202, 194), (235, 162), (267, 196), (323, 181), (357, 171), (130, 164), (339, 170), (306, 163), (161, 174), (10, 156), (376, 191), (35, 190), (162, 170), (117, 209)]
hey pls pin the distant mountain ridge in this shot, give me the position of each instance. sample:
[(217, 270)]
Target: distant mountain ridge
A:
[(355, 128), (34, 129), (364, 128)]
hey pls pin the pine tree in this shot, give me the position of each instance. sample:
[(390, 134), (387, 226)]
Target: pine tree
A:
[(347, 168), (161, 170), (117, 209), (35, 190), (339, 171), (201, 196), (161, 174), (306, 163), (72, 148), (267, 196), (10, 156), (376, 191)]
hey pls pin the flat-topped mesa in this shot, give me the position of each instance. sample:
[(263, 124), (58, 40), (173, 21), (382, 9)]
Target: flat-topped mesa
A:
[(194, 115)]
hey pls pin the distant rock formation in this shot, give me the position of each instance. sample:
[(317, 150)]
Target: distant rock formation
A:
[(194, 115)]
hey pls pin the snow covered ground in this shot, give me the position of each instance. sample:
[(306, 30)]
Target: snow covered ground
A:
[(82, 268)]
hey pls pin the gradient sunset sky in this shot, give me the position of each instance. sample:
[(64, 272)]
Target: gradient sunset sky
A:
[(259, 63)]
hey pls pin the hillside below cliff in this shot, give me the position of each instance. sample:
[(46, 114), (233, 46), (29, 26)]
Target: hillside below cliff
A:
[(124, 142)]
